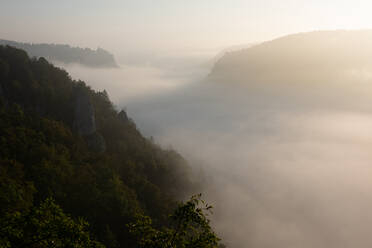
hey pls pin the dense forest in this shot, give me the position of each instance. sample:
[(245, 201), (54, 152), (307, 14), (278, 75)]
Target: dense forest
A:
[(66, 54), (75, 172)]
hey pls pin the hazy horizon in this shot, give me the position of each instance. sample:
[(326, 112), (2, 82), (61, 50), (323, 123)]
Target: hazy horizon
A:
[(145, 26)]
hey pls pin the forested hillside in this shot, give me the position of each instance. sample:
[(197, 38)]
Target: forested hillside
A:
[(66, 152), (66, 54), (314, 57)]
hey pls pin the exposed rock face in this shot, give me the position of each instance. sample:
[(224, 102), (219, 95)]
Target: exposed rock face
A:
[(84, 122), (123, 116), (3, 100), (96, 142)]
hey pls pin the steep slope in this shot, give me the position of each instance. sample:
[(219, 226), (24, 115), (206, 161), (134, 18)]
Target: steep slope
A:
[(60, 139)]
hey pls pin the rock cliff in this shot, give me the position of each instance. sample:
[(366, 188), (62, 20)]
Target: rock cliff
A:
[(84, 121)]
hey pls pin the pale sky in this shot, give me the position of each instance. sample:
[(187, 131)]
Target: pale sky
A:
[(174, 24)]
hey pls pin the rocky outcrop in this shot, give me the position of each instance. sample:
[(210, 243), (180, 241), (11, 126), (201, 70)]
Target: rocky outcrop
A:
[(3, 100), (84, 121), (96, 142), (123, 116)]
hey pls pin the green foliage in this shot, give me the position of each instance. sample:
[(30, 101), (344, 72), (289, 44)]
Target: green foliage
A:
[(190, 228), (42, 157), (16, 193), (44, 226)]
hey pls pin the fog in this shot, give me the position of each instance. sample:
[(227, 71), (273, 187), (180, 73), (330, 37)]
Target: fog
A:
[(284, 167), (281, 134)]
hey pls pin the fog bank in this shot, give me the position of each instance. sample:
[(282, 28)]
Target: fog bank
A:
[(282, 172), (284, 168)]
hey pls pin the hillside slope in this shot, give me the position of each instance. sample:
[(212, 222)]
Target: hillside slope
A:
[(59, 139), (315, 57)]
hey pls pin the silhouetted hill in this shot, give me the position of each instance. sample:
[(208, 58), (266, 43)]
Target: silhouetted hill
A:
[(66, 54), (314, 57)]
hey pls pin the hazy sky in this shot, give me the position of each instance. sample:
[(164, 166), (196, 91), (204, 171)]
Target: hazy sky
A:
[(174, 24)]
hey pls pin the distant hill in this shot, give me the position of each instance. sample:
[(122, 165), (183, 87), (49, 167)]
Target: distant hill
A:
[(210, 63), (230, 49), (313, 57), (66, 54)]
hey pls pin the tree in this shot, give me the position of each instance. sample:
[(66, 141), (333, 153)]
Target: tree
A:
[(41, 156), (43, 227), (190, 228)]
